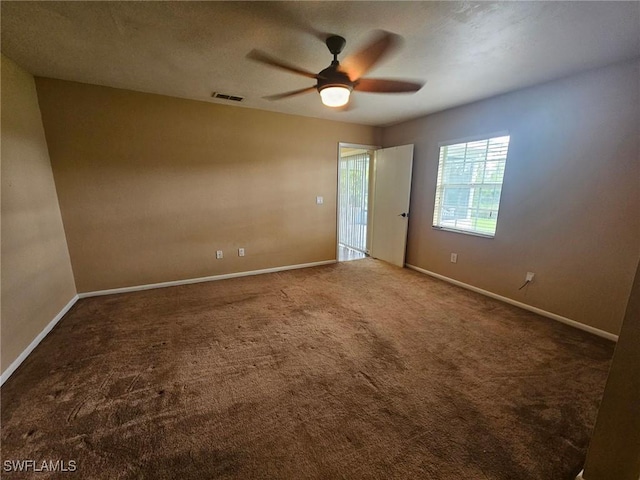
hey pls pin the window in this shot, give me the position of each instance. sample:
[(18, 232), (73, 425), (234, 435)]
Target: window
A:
[(469, 185)]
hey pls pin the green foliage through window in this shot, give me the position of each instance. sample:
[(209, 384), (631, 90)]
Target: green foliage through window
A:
[(469, 185)]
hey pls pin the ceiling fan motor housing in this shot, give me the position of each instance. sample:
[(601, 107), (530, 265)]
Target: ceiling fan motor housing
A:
[(332, 77)]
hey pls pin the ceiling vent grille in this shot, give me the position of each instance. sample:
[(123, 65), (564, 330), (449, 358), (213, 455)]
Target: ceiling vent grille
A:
[(224, 96)]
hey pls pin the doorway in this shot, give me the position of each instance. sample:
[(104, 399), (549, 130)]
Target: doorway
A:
[(374, 190), (354, 180)]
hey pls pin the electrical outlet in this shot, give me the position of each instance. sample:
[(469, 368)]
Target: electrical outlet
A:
[(219, 254), (241, 252), (454, 258), (529, 277), (319, 200)]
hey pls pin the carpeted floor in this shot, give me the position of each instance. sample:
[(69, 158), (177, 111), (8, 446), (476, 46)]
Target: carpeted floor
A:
[(358, 370)]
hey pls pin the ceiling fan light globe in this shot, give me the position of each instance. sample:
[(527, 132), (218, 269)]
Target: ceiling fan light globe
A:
[(335, 96)]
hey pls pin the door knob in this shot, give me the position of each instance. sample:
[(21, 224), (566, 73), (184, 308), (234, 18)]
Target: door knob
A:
[(403, 214)]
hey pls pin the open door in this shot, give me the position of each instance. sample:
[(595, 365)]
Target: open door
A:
[(391, 195)]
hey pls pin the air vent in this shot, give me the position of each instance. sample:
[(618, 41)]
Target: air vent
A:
[(224, 96)]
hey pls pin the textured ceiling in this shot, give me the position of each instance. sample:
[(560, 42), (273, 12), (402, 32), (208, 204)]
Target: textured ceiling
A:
[(464, 51)]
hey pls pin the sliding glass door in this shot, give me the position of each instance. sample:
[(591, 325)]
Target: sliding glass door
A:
[(353, 199)]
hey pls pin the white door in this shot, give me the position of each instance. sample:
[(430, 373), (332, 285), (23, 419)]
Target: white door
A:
[(391, 193)]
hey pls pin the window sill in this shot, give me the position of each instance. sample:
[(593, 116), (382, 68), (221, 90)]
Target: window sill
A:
[(464, 232)]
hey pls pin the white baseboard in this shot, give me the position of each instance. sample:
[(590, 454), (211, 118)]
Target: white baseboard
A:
[(539, 311), (25, 353), (212, 278), (21, 358)]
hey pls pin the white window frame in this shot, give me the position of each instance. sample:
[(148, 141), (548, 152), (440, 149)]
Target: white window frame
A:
[(439, 192)]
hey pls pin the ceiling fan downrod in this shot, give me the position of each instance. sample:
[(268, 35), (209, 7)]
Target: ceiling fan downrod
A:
[(335, 44)]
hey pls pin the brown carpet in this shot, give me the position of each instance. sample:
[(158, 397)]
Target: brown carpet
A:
[(357, 370)]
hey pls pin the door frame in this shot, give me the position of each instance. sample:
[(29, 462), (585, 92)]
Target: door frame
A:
[(371, 148)]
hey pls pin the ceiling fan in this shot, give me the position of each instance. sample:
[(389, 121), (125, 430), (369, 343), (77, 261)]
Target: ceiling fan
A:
[(336, 82)]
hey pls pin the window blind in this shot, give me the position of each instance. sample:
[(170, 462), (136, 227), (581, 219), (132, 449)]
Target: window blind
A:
[(353, 201), (469, 185)]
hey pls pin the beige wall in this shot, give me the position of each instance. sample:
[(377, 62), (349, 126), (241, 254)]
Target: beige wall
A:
[(614, 451), (151, 186), (570, 208), (37, 281)]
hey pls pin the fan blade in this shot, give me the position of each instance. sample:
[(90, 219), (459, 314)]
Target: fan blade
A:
[(292, 93), (380, 85), (360, 63), (262, 57)]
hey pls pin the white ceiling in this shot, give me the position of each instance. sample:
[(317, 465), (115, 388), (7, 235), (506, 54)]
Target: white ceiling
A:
[(465, 51)]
